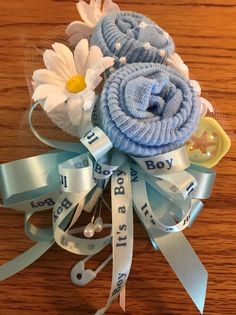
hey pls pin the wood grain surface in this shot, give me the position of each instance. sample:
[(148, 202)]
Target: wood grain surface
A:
[(205, 35)]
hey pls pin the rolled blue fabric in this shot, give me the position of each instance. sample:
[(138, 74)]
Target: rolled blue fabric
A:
[(148, 109), (122, 35)]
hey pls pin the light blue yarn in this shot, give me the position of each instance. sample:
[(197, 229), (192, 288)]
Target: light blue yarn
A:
[(116, 28), (148, 109)]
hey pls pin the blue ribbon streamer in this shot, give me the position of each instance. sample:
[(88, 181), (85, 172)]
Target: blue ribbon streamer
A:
[(24, 182)]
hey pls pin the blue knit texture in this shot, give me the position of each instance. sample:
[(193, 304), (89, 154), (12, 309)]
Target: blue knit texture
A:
[(148, 109), (123, 27)]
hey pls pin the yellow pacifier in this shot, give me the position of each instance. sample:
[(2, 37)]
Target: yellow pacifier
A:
[(208, 144)]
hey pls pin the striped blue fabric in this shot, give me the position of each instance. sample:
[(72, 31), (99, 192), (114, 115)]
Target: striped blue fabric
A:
[(124, 28), (148, 109)]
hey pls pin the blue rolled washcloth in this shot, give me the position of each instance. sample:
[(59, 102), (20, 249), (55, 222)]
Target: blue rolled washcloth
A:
[(132, 36), (148, 109)]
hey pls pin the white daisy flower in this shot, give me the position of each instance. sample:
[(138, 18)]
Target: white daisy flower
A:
[(70, 80), (175, 61), (90, 14)]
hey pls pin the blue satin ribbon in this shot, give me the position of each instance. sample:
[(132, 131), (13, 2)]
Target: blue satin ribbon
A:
[(174, 246), (31, 185), (32, 177), (35, 184)]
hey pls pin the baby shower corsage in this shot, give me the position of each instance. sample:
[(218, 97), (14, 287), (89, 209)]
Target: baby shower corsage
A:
[(143, 131)]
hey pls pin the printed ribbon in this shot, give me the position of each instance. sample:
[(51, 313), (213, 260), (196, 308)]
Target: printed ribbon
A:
[(165, 191)]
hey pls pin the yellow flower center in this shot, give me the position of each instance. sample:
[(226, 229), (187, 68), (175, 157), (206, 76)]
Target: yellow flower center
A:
[(76, 83)]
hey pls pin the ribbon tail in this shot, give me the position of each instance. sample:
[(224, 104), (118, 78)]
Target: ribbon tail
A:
[(196, 209), (24, 260), (44, 239), (123, 298), (122, 233), (173, 245), (186, 265)]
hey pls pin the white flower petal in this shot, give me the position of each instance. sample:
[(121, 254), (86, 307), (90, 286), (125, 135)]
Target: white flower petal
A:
[(34, 84), (55, 99), (184, 70), (205, 103), (177, 63), (87, 13), (76, 38), (93, 4), (98, 4), (66, 56), (81, 56), (77, 31), (54, 64), (92, 79), (44, 76), (89, 100), (98, 10), (109, 6), (196, 86), (102, 64), (177, 58), (44, 90), (78, 27), (50, 59), (95, 54), (74, 110), (203, 110)]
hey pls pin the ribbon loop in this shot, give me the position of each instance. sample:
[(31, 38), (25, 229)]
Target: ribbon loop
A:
[(77, 174), (205, 178), (179, 186), (60, 145), (32, 177), (146, 198), (167, 163), (97, 143)]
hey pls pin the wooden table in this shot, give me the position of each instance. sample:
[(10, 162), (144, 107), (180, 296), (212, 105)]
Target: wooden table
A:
[(205, 36)]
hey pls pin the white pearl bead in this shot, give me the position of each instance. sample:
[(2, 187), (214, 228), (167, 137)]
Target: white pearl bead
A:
[(98, 224), (118, 45), (147, 45), (89, 230), (123, 60)]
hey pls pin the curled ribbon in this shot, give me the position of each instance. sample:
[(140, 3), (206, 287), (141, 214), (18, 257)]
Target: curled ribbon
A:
[(165, 191)]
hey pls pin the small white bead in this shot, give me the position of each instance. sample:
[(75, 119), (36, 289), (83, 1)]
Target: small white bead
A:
[(98, 224), (123, 60), (162, 52), (147, 45), (118, 46), (89, 230), (143, 24)]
